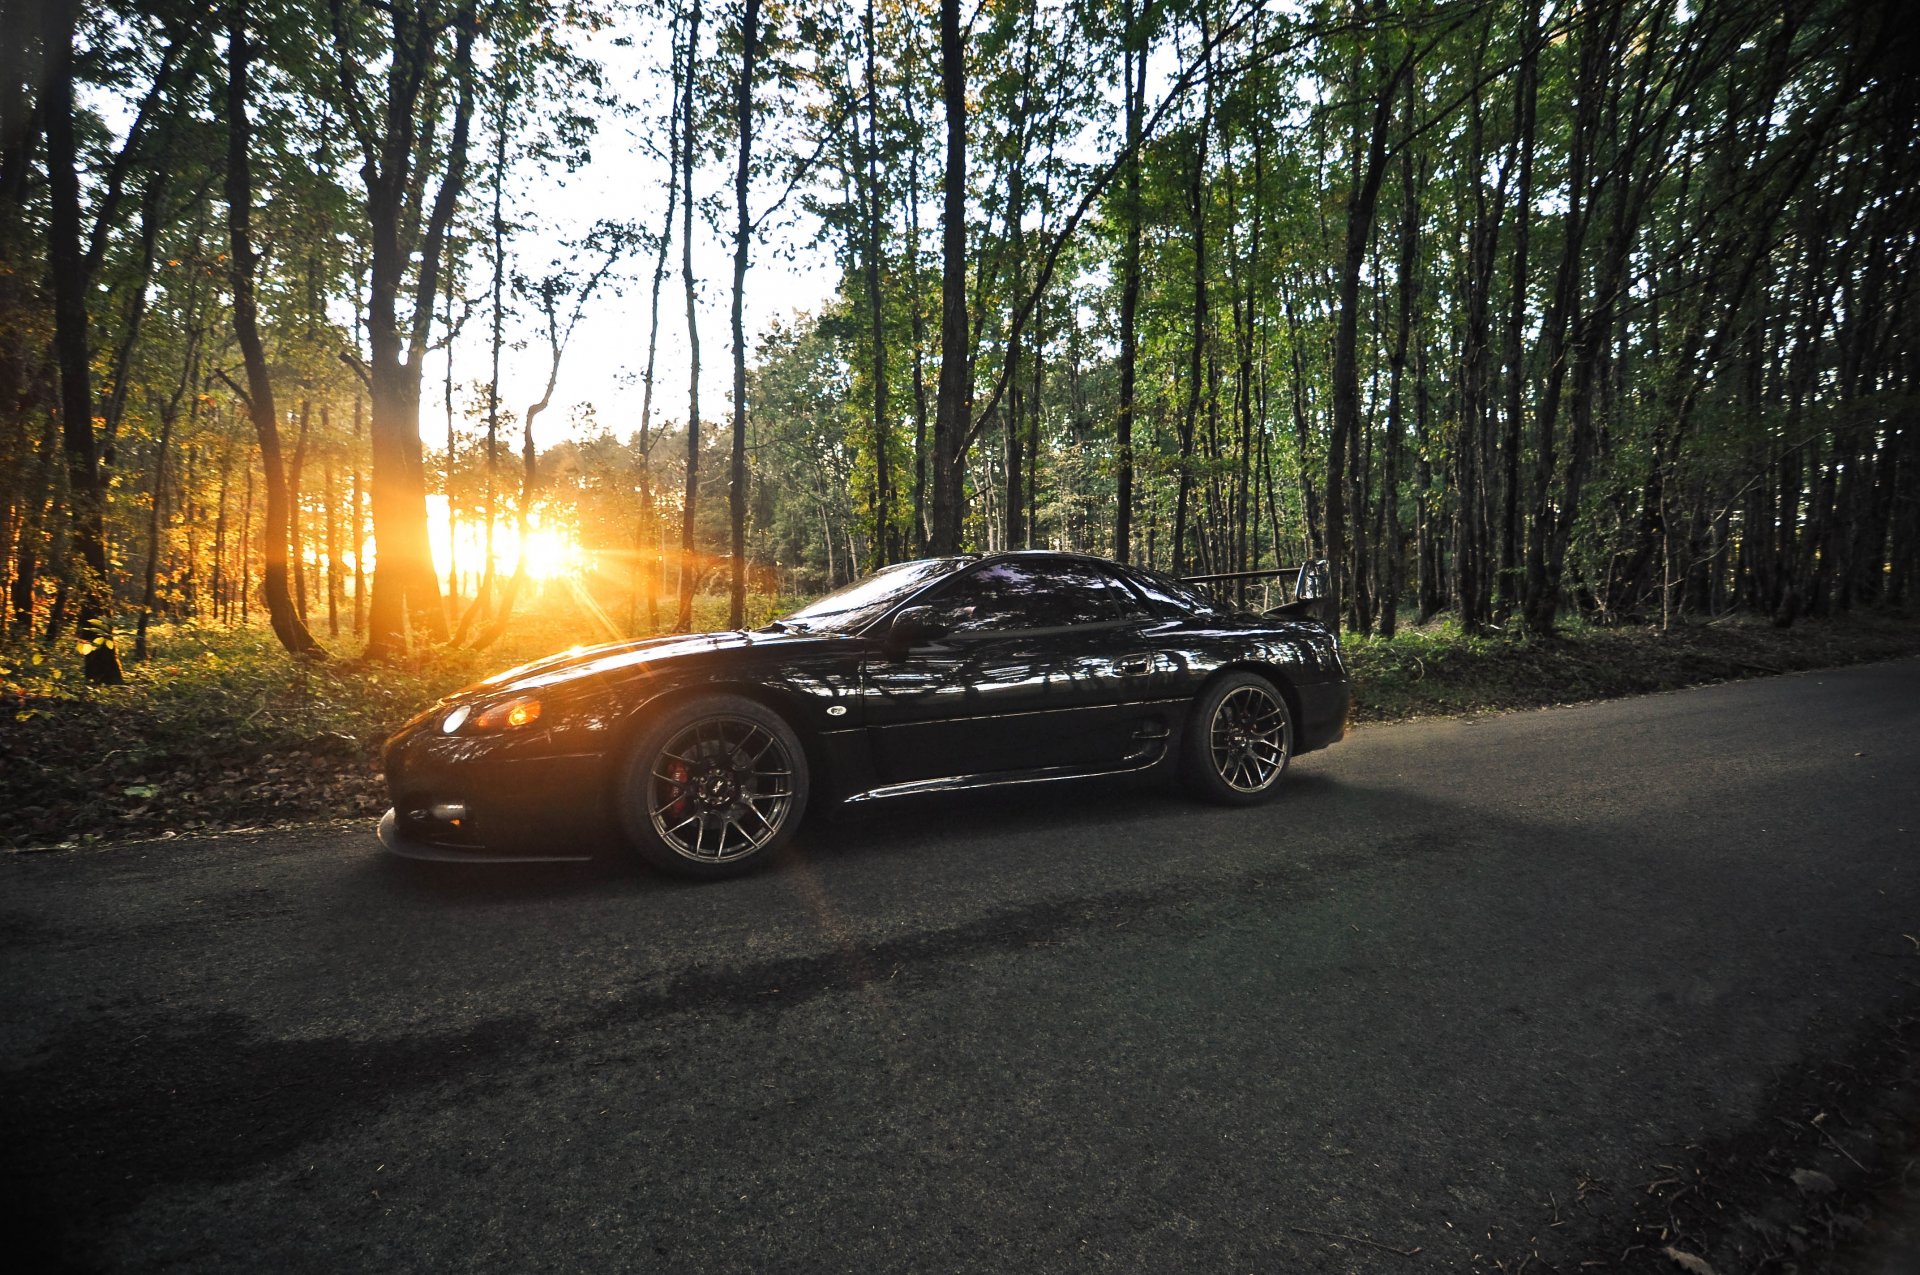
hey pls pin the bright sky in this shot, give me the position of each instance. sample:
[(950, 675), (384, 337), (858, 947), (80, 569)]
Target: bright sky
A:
[(604, 363)]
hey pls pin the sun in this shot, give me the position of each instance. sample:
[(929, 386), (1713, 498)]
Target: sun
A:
[(550, 553), (553, 552)]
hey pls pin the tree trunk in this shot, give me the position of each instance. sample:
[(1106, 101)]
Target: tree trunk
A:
[(953, 411), (484, 596), (742, 245), (689, 568), (884, 545), (85, 497), (296, 532), (453, 457), (649, 582), (1310, 501), (1034, 403), (1189, 415), (406, 592), (1513, 355), (246, 553), (1129, 300), (1246, 551), (1013, 514), (156, 521), (332, 512), (922, 527), (191, 576), (222, 586), (1362, 201), (1472, 587), (1541, 598), (357, 519), (1427, 541), (41, 502), (24, 402), (286, 621), (1409, 267), (152, 210)]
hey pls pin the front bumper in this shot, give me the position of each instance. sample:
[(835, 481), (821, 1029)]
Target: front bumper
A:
[(397, 842), (457, 799)]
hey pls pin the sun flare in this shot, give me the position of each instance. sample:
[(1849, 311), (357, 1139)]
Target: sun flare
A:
[(552, 551)]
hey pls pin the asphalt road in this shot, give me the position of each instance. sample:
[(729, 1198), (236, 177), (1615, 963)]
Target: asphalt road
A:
[(1468, 987)]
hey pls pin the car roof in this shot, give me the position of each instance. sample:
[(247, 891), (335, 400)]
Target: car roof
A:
[(1061, 554)]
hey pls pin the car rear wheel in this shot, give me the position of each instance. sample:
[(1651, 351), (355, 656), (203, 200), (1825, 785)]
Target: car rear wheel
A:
[(714, 787), (1239, 740)]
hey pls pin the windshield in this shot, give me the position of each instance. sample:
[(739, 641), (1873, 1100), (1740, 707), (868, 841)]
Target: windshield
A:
[(847, 609)]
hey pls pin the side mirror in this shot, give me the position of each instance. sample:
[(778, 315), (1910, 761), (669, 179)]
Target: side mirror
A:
[(914, 625)]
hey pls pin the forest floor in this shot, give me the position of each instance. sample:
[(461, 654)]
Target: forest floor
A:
[(220, 731)]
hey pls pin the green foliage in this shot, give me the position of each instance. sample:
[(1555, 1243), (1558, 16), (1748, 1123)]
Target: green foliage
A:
[(1435, 670)]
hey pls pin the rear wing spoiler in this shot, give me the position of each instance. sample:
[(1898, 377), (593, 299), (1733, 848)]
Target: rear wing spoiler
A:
[(1307, 586)]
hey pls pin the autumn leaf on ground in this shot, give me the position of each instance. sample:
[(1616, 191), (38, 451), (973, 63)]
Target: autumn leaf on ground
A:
[(1813, 1181), (1688, 1262)]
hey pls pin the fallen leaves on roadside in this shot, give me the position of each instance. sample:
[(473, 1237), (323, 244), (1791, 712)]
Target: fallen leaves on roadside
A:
[(1813, 1182), (108, 797), (1688, 1262)]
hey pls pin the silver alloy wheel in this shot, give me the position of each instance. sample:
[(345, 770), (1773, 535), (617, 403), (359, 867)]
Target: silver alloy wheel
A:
[(720, 789), (1247, 739)]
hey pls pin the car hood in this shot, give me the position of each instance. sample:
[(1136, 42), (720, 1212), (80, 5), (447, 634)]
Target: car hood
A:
[(637, 658)]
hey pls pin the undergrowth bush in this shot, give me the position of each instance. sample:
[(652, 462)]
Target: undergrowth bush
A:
[(221, 727), (1435, 669)]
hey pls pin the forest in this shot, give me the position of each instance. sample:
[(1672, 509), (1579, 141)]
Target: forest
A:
[(1518, 312)]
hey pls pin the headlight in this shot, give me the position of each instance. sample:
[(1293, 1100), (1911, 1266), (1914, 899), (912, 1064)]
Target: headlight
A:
[(508, 714), (456, 719)]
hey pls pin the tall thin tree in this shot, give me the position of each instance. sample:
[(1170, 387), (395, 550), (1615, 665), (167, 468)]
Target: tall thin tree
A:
[(258, 396), (742, 246)]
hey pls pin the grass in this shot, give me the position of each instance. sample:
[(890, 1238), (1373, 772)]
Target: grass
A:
[(221, 730), (1435, 670)]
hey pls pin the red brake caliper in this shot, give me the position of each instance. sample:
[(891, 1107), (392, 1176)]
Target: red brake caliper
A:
[(679, 772)]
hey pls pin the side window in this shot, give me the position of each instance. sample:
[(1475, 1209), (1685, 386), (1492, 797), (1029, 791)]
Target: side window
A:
[(1011, 594), (1126, 599), (1169, 595)]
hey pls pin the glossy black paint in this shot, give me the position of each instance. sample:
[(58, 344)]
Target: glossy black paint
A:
[(976, 698)]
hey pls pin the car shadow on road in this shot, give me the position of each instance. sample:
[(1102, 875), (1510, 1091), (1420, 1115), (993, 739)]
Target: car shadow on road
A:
[(484, 884), (1080, 809), (986, 824)]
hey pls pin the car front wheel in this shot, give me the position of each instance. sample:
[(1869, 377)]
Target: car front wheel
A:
[(1239, 740), (713, 787)]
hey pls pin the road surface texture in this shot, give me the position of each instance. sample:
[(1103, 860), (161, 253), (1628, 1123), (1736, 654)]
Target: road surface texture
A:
[(1533, 991)]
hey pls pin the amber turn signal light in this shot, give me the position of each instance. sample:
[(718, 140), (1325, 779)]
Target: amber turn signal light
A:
[(507, 714)]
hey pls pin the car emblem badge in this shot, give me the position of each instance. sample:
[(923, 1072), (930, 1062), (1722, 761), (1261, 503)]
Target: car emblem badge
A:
[(837, 710)]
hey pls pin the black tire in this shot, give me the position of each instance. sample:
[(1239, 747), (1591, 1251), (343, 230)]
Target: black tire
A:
[(1238, 740), (714, 788)]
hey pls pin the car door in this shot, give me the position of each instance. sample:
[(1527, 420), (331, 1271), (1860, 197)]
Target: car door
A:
[(1040, 655)]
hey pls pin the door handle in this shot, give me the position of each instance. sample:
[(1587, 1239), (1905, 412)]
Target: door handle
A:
[(1135, 663)]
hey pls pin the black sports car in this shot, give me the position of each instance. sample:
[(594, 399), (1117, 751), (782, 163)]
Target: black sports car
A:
[(703, 752)]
